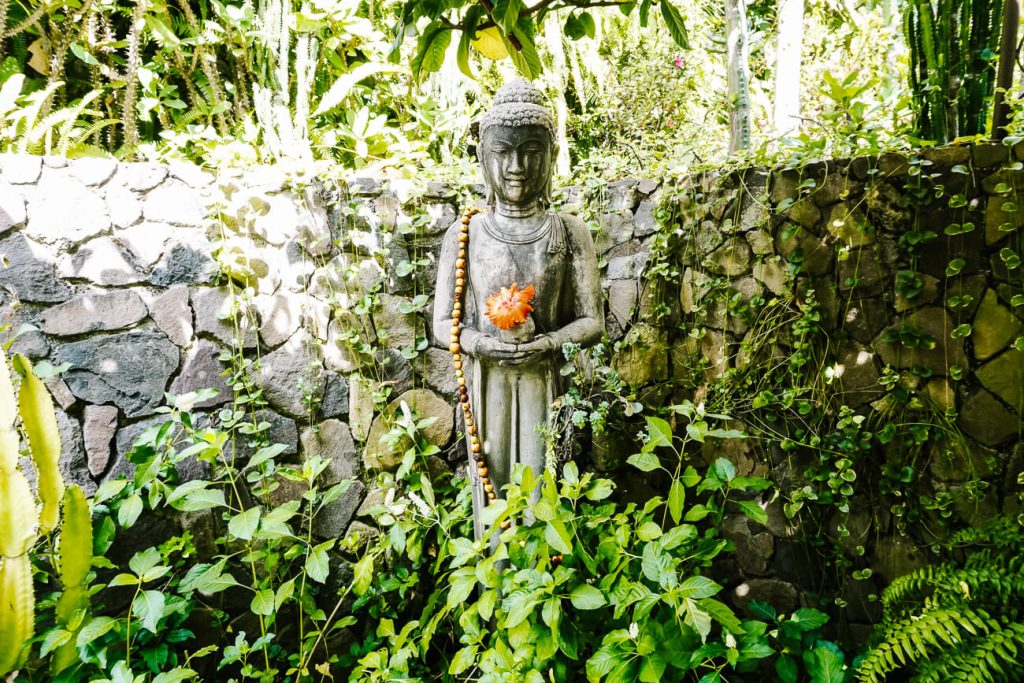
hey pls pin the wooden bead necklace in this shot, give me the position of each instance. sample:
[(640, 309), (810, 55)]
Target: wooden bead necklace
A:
[(455, 346)]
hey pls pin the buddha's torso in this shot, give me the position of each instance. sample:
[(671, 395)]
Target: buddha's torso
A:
[(534, 256)]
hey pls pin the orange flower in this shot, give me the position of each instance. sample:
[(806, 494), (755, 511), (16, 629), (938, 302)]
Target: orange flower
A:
[(510, 306)]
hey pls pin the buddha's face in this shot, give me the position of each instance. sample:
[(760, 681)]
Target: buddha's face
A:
[(516, 162)]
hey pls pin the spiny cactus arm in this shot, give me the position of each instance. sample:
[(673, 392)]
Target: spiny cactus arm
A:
[(40, 421), (74, 546), (74, 557), (17, 610), (17, 507), (8, 415)]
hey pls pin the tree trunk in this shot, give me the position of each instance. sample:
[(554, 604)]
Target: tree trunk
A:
[(738, 54), (786, 118), (1004, 77)]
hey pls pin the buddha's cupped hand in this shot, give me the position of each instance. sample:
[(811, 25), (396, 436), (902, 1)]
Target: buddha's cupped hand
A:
[(492, 348)]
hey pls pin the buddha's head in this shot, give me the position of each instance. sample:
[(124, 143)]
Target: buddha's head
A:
[(517, 144)]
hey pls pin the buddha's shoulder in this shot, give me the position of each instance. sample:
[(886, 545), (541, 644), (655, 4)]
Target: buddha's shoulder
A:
[(576, 228)]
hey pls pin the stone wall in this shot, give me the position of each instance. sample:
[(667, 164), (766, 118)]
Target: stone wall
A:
[(915, 266), (115, 274)]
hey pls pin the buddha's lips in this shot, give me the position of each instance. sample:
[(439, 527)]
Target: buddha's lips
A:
[(510, 306)]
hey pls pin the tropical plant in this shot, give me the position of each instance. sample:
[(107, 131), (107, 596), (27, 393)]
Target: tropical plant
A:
[(21, 523), (953, 48), (957, 620)]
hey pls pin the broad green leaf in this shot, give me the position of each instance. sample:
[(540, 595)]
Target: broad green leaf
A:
[(825, 665), (244, 524), (490, 43), (587, 597), (675, 23), (659, 432), (676, 500), (602, 663), (263, 602), (363, 574), (645, 461), (698, 587), (430, 50), (722, 614), (557, 536), (318, 562), (175, 675), (723, 469), (462, 660), (808, 619), (203, 499), (149, 607), (754, 511)]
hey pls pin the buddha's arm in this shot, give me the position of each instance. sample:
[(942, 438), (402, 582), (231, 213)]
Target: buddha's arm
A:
[(588, 301), (445, 292)]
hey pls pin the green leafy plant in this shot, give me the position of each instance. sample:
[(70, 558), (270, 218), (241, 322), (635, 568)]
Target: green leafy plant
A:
[(957, 620)]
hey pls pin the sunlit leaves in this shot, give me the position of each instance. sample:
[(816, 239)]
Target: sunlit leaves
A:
[(430, 50)]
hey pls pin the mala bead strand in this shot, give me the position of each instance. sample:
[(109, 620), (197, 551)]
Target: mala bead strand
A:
[(456, 350)]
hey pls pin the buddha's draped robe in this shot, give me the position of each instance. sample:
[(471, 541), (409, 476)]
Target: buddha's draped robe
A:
[(509, 401)]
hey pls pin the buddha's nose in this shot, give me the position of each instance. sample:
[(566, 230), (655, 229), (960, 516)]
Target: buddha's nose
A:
[(515, 165)]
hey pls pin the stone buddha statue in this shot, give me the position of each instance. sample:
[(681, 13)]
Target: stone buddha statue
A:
[(512, 341)]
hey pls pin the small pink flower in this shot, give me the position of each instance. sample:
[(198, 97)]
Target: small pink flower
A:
[(678, 61), (670, 123)]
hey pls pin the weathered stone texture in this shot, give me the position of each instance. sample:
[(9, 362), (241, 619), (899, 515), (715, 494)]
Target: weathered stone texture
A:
[(203, 369), (130, 370), (102, 262), (98, 432), (27, 270), (173, 315), (100, 311), (173, 203), (64, 210)]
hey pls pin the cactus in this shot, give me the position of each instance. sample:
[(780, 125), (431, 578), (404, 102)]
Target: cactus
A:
[(74, 557), (40, 422), (18, 519)]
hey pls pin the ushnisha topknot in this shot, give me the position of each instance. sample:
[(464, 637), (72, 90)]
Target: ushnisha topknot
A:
[(519, 103)]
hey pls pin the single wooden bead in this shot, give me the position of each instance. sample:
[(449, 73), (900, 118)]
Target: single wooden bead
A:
[(463, 390), (460, 272), (461, 381), (475, 447), (471, 428), (458, 289), (482, 471), (460, 262), (459, 282), (463, 398), (457, 359), (489, 488), (454, 347), (492, 495)]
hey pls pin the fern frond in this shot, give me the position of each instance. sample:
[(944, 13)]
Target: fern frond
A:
[(919, 638), (988, 660)]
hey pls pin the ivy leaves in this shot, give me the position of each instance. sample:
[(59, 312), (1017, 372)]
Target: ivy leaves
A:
[(504, 28)]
